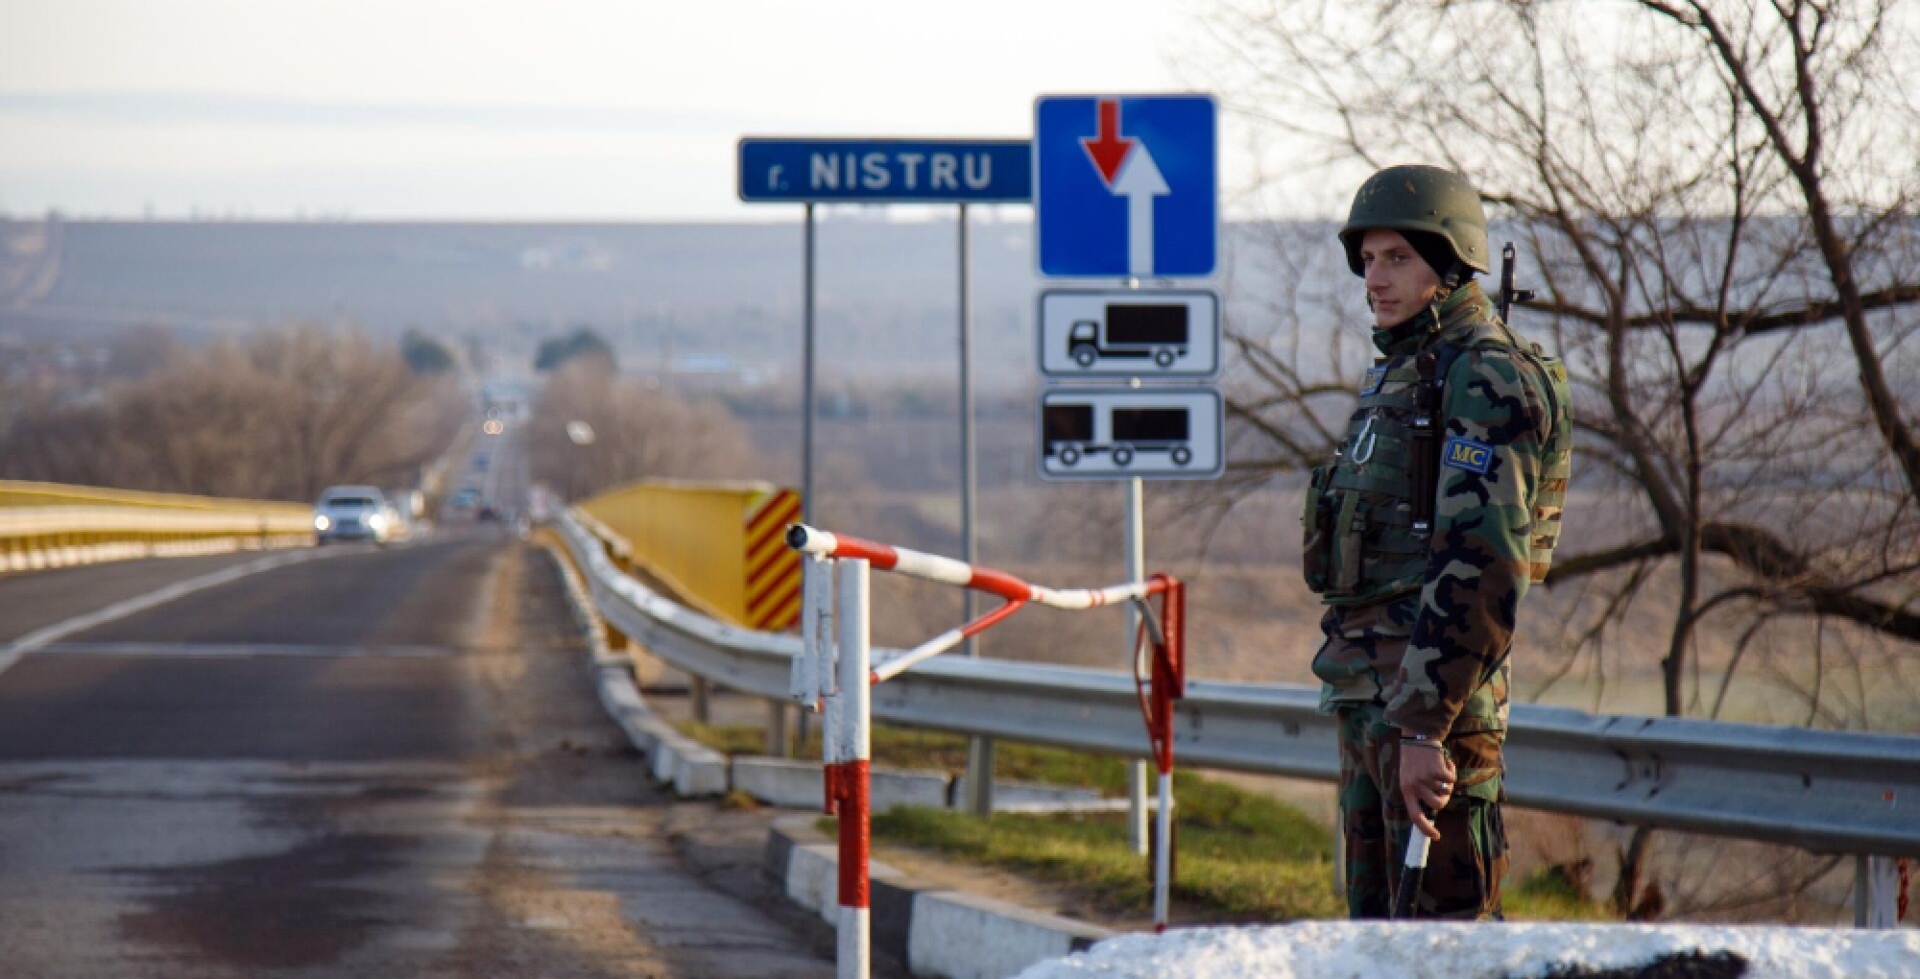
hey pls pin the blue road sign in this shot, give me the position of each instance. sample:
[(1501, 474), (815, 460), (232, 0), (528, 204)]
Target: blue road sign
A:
[(1125, 185), (887, 171)]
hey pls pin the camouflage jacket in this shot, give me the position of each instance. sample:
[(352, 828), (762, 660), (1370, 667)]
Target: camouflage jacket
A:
[(1431, 645)]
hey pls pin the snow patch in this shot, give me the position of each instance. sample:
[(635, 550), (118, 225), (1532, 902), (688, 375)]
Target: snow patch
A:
[(1380, 950)]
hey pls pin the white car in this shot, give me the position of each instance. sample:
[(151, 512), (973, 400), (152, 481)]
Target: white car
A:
[(354, 513)]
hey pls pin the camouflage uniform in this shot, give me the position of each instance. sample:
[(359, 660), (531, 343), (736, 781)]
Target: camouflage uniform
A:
[(1418, 628)]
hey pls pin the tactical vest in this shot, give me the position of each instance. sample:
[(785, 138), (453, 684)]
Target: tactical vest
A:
[(1368, 514)]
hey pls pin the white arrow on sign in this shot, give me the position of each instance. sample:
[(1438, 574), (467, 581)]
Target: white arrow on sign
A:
[(1140, 182)]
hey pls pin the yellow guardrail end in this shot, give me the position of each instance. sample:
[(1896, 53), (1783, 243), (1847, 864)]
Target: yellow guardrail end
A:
[(720, 544)]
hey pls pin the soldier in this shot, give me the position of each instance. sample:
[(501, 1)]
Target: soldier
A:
[(1422, 535)]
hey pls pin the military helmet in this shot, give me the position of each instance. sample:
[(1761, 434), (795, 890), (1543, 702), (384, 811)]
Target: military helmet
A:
[(1419, 198)]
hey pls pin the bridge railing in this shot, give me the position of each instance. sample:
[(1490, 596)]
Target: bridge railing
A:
[(48, 525), (1823, 791)]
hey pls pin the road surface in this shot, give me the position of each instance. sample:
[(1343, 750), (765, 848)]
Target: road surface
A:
[(377, 763)]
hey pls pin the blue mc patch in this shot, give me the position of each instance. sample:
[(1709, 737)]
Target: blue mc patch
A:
[(1376, 377), (1467, 454)]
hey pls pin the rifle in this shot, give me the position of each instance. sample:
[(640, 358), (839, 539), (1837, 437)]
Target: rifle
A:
[(1508, 294)]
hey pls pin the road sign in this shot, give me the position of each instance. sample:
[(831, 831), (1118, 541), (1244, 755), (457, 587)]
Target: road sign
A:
[(887, 171), (1129, 333), (1125, 185), (1127, 433)]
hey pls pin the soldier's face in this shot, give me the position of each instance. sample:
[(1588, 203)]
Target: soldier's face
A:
[(1399, 282)]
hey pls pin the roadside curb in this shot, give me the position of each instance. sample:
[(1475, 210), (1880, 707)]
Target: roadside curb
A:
[(693, 769), (941, 933)]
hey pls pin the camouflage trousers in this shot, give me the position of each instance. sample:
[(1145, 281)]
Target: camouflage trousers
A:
[(1464, 866)]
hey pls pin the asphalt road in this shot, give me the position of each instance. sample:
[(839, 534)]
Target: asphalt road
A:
[(377, 763)]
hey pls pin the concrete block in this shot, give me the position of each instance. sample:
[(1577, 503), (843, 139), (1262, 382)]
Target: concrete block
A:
[(894, 787), (963, 936), (811, 875), (798, 784), (662, 760), (700, 771), (813, 879), (788, 782), (1036, 797), (623, 704)]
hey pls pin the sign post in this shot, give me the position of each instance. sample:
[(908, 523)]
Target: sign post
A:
[(979, 749), (1126, 187)]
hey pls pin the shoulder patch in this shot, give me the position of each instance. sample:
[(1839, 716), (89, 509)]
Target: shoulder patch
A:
[(1464, 453), (1376, 376)]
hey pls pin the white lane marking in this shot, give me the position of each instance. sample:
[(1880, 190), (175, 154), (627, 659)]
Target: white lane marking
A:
[(11, 653)]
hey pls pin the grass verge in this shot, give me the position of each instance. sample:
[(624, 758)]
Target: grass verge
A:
[(1241, 856)]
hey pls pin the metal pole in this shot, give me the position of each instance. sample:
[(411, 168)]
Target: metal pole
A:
[(777, 711), (979, 750), (1163, 856), (1136, 571), (806, 377), (855, 960)]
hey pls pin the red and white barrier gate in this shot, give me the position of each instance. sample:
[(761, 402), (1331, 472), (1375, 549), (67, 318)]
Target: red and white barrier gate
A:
[(834, 673)]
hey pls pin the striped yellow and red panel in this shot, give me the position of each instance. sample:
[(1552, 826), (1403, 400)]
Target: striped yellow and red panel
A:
[(773, 568)]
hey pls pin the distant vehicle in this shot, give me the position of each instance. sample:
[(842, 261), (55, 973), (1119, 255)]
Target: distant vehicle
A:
[(480, 463), (354, 513), (1157, 331), (465, 499)]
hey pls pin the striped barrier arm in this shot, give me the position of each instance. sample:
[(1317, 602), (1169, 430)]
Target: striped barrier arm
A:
[(835, 672)]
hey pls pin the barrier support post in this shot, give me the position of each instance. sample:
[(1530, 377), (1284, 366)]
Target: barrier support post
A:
[(1876, 892), (777, 742), (1167, 682), (698, 694)]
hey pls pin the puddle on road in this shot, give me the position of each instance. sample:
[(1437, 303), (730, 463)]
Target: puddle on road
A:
[(301, 907)]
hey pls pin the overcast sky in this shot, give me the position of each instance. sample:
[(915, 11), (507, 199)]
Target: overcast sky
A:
[(431, 109)]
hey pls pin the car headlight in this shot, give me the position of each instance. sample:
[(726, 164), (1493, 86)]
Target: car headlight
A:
[(321, 522), (377, 521)]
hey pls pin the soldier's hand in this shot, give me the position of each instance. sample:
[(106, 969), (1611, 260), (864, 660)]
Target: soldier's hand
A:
[(1426, 783)]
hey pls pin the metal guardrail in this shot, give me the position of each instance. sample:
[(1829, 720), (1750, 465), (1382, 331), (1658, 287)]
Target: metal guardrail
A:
[(44, 525), (1824, 791)]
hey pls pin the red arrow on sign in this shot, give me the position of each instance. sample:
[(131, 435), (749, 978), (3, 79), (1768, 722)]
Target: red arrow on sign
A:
[(1108, 150)]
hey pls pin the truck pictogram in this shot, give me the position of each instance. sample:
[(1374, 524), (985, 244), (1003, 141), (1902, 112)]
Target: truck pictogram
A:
[(1073, 432), (1131, 331)]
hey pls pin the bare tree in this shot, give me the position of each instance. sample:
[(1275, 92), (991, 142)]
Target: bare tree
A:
[(1671, 167), (641, 431), (280, 414)]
